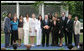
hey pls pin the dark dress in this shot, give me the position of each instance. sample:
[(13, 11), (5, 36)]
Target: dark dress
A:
[(55, 35), (61, 35)]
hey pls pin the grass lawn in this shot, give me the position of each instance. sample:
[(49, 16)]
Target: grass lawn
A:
[(3, 41), (3, 38)]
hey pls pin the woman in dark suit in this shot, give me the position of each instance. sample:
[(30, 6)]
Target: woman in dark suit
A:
[(60, 29), (55, 31)]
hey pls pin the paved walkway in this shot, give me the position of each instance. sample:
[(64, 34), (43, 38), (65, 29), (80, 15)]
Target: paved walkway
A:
[(39, 48)]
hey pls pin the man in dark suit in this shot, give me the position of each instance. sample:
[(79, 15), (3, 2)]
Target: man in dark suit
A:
[(63, 24), (45, 31), (69, 29)]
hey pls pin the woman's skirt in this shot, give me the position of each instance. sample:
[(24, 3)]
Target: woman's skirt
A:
[(20, 33)]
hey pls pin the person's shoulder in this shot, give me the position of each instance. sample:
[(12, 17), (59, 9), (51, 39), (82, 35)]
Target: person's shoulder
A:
[(6, 17), (11, 22), (30, 18), (78, 21), (72, 20), (24, 18), (66, 17)]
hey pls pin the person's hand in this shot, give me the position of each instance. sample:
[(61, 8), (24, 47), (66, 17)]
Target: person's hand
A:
[(47, 27), (30, 31), (62, 27), (66, 29), (8, 31), (58, 19), (59, 32), (44, 27), (35, 30)]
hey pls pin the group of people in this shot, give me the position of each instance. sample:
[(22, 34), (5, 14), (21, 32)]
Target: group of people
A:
[(26, 28)]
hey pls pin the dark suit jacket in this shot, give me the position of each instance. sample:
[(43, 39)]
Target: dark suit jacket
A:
[(69, 26), (55, 28), (43, 24), (63, 22)]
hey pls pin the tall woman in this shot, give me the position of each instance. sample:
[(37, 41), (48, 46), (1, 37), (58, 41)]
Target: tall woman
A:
[(14, 28), (20, 29), (26, 29), (55, 30), (60, 30), (39, 30), (33, 29)]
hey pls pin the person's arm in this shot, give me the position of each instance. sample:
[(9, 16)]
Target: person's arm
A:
[(79, 27), (60, 27), (71, 27), (30, 25), (42, 24), (4, 23), (7, 24), (36, 24)]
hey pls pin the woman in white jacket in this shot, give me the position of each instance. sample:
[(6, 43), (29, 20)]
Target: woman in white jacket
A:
[(39, 31), (33, 29), (26, 28)]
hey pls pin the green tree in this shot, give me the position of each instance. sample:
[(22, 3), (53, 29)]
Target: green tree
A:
[(75, 8)]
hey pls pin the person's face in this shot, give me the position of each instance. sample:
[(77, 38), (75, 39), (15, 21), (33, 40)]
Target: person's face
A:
[(69, 17), (46, 16), (40, 17), (21, 17), (76, 18), (53, 18), (15, 18), (27, 15), (56, 15), (63, 14), (9, 15), (33, 15)]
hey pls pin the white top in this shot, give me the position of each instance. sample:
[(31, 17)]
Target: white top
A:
[(77, 27), (38, 24), (26, 24), (33, 23)]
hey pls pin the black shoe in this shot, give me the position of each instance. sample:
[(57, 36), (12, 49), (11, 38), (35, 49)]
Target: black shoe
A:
[(66, 44), (7, 46), (52, 44), (56, 45), (15, 46), (42, 45), (38, 45), (47, 45)]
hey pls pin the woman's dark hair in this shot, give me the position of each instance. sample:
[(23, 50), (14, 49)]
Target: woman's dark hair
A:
[(8, 13), (39, 18), (76, 16), (27, 14), (14, 16), (20, 16)]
